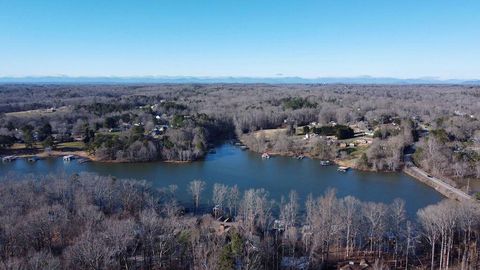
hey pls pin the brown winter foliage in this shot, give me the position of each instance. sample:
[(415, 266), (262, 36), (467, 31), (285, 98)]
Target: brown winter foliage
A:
[(440, 120), (91, 222)]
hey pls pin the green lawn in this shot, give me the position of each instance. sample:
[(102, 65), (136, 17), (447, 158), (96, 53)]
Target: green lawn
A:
[(38, 146), (76, 144), (359, 150), (18, 146)]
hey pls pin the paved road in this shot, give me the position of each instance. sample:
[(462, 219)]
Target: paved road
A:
[(439, 182)]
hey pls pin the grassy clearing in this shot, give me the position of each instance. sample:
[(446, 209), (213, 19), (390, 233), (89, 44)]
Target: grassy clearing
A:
[(61, 146), (76, 145), (359, 150), (270, 134), (19, 146), (38, 112), (353, 155)]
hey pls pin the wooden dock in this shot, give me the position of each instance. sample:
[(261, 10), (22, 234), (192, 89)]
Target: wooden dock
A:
[(324, 162), (343, 169), (68, 158), (9, 158)]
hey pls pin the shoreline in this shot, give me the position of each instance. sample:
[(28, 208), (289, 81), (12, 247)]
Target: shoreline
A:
[(344, 163), (82, 154), (445, 189), (440, 186)]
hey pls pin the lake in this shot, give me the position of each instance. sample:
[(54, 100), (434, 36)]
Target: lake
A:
[(230, 165)]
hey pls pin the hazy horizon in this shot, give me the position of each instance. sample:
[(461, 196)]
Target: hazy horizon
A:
[(260, 39), (230, 79)]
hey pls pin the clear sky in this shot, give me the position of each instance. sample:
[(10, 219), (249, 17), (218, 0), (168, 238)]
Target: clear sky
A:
[(398, 38)]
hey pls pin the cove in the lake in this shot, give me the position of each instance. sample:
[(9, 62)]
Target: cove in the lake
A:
[(230, 165)]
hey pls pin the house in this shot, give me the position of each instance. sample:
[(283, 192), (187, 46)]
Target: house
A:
[(312, 125), (459, 113), (51, 110), (355, 128), (361, 142), (159, 130), (163, 128), (278, 225), (331, 138), (343, 145)]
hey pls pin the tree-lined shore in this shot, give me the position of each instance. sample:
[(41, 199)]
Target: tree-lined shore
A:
[(88, 221)]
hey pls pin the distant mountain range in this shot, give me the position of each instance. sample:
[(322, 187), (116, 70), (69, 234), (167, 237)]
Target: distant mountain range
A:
[(269, 80)]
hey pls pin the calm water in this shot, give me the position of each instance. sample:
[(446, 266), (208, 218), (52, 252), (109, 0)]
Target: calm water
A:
[(230, 165)]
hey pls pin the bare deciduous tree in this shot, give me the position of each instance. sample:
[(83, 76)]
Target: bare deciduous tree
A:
[(196, 188)]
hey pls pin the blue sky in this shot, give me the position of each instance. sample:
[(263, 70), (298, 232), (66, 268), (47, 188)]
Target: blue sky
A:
[(256, 38)]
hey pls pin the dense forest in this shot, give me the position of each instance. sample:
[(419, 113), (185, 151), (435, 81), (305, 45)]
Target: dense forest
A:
[(88, 221), (369, 127)]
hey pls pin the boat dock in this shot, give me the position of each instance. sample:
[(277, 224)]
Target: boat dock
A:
[(9, 158), (68, 158), (343, 169), (32, 159), (324, 162)]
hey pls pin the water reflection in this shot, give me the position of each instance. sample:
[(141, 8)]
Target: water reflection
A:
[(230, 165)]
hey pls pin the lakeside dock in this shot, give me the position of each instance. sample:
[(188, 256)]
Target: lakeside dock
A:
[(9, 158)]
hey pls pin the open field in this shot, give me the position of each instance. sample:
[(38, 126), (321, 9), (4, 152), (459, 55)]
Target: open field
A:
[(270, 134), (70, 145), (39, 112)]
